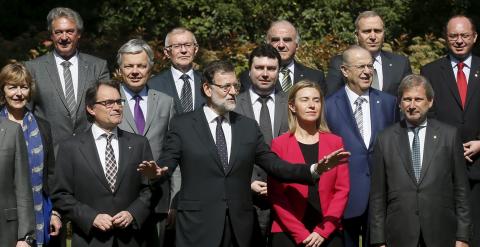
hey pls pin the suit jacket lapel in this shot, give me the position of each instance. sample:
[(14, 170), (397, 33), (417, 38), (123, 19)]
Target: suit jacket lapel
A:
[(173, 89), (403, 148), (83, 71), (430, 147), (152, 107), (344, 109), (200, 125), (245, 102), (237, 133), (375, 114), (128, 115), (197, 79), (280, 103), (124, 150), (386, 70), (473, 80), (90, 154), (298, 72), (446, 69), (52, 71)]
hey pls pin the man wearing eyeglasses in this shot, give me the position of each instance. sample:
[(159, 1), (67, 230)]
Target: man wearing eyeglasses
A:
[(456, 81), (389, 68), (357, 112), (216, 149), (98, 187)]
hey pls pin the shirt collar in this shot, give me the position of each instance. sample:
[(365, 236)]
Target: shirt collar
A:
[(211, 115), (254, 96), (130, 94), (454, 61), (352, 96), (59, 59), (410, 126), (98, 132), (177, 73), (377, 58)]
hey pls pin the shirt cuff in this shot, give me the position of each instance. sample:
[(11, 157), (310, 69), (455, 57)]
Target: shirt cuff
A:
[(313, 171)]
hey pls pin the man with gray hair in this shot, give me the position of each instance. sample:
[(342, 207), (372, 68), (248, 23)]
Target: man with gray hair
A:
[(285, 38), (420, 190), (148, 113), (389, 68)]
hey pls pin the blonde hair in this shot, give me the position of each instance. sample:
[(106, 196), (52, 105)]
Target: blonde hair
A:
[(292, 118), (15, 73)]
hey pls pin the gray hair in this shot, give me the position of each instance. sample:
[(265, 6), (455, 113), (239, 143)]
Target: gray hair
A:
[(135, 46), (68, 13), (366, 14), (297, 34), (411, 81), (178, 30)]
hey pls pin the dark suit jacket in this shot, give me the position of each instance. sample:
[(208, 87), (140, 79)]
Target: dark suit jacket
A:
[(17, 217), (340, 119), (164, 83), (394, 68), (208, 192), (49, 157), (82, 191), (300, 72), (49, 102), (437, 206)]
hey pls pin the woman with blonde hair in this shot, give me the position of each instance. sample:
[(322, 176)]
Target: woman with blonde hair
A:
[(309, 215)]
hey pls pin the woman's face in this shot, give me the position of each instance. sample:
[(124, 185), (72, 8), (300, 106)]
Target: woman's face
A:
[(307, 106), (16, 95)]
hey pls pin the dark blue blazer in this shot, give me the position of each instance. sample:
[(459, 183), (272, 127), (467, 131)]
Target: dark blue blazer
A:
[(340, 119)]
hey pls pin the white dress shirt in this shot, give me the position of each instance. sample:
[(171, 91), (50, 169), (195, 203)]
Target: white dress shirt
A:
[(421, 136), (101, 143), (131, 100), (179, 82), (466, 68), (291, 67), (367, 124), (377, 64), (226, 127), (73, 71), (257, 106)]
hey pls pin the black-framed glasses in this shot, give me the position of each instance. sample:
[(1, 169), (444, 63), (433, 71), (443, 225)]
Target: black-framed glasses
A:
[(179, 46), (227, 87), (361, 66), (110, 102), (456, 36)]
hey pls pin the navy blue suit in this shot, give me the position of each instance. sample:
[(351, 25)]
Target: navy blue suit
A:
[(340, 119)]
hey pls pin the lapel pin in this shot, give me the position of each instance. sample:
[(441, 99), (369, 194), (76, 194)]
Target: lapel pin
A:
[(476, 75), (2, 129), (390, 65), (129, 147), (378, 101), (434, 137)]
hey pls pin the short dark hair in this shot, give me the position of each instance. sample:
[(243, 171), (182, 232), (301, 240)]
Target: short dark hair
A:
[(264, 50), (215, 67), (91, 94)]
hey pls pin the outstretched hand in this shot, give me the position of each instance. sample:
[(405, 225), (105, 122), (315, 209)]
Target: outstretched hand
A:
[(151, 170), (331, 160)]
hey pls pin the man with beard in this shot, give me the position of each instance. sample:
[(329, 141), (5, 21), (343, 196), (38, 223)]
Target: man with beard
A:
[(456, 81), (216, 149)]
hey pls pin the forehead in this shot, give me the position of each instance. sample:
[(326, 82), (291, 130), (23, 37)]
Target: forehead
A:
[(459, 24), (222, 77), (105, 92), (140, 57), (184, 36), (282, 30), (417, 91), (373, 22), (63, 23), (359, 56), (266, 61), (308, 92)]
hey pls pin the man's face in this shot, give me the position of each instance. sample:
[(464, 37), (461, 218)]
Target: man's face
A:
[(222, 93), (181, 50), (371, 33), (415, 105), (264, 74), (282, 36), (135, 70), (358, 71), (106, 117), (460, 37), (65, 36)]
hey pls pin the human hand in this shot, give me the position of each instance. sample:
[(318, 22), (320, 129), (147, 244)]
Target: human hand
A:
[(313, 240), (151, 170), (122, 219), (460, 244), (331, 160), (470, 149), (55, 224), (259, 187), (103, 222), (22, 244)]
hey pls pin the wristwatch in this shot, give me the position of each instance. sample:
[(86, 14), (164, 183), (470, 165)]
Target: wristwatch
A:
[(29, 240)]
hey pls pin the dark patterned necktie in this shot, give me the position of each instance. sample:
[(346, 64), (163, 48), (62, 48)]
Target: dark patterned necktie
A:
[(287, 80), (221, 143), (110, 163), (186, 95), (69, 92), (416, 157), (265, 120)]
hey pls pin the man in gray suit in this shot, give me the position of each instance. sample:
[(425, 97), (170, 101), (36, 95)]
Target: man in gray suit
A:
[(63, 76), (268, 107), (389, 68), (17, 220), (419, 193), (148, 112), (181, 81)]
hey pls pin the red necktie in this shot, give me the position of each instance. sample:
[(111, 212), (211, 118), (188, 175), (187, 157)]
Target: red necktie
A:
[(462, 83)]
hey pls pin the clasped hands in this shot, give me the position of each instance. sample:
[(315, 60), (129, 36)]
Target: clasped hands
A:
[(105, 222), (331, 160)]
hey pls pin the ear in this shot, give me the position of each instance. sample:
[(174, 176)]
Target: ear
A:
[(430, 104), (166, 52), (207, 90), (195, 51), (291, 106), (90, 110), (343, 68)]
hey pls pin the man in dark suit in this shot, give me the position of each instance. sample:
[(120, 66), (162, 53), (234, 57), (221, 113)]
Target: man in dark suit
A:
[(148, 112), (389, 68), (181, 48), (216, 149), (63, 76), (269, 108), (419, 193), (455, 79), (284, 37), (98, 187), (17, 221), (357, 113)]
